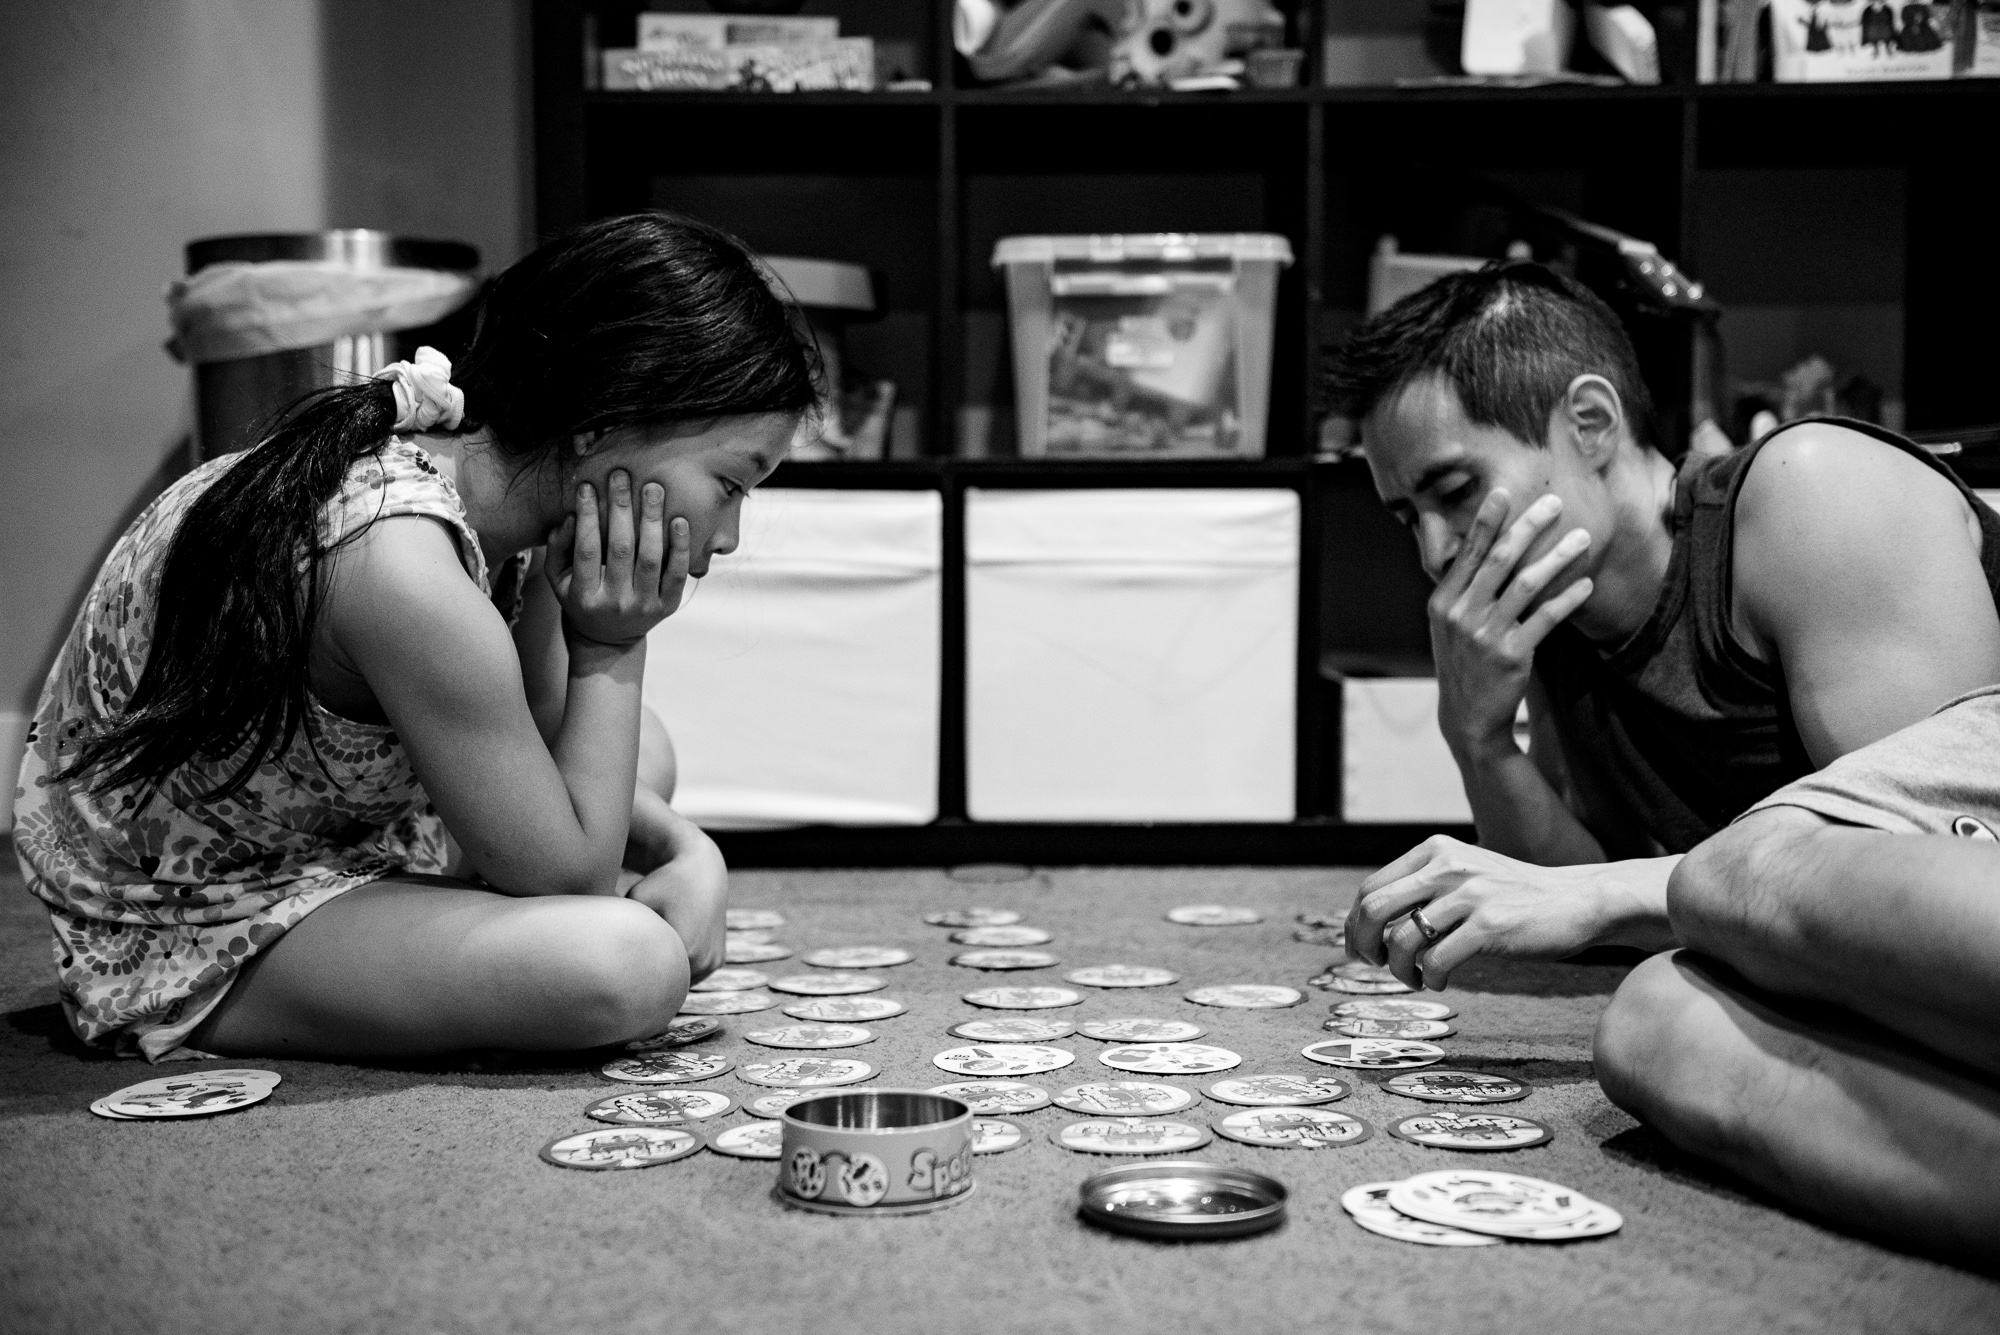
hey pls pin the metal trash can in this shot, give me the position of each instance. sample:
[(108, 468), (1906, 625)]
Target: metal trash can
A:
[(342, 294)]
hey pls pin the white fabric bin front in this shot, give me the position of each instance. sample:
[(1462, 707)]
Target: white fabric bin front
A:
[(800, 679), (1395, 766), (1131, 655)]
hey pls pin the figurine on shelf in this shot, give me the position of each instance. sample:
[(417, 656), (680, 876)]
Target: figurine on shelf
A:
[(1121, 42)]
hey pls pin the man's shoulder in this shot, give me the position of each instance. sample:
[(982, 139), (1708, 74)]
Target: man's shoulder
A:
[(1825, 470)]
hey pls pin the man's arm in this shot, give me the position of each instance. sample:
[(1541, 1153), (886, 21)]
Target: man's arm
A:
[(1857, 573), (1483, 638), (1904, 929)]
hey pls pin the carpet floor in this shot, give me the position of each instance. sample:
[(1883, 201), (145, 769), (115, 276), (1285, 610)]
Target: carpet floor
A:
[(365, 1200)]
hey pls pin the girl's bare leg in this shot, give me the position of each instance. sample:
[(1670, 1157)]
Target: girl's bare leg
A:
[(415, 966)]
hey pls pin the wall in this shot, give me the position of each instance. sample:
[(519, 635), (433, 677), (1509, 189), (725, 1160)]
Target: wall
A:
[(128, 127)]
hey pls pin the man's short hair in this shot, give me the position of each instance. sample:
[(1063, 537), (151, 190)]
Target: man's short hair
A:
[(1508, 338)]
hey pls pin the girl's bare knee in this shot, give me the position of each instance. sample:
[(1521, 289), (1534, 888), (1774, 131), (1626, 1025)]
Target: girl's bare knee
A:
[(626, 971)]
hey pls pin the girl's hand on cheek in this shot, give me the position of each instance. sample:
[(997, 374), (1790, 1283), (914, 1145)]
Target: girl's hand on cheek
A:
[(620, 575)]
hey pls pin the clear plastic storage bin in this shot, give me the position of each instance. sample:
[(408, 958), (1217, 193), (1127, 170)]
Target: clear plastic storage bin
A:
[(1154, 345)]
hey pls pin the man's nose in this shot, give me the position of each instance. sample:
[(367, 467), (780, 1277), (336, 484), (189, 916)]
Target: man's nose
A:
[(1437, 545)]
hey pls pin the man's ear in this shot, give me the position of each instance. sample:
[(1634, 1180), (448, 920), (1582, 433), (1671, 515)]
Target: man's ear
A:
[(1593, 416)]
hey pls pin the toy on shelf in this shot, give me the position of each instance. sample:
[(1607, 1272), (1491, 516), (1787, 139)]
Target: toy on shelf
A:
[(1182, 44)]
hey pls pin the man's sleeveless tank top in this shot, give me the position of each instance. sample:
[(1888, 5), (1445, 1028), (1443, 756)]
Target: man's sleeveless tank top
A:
[(1677, 731)]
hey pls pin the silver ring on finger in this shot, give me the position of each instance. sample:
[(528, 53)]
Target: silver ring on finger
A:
[(1431, 934)]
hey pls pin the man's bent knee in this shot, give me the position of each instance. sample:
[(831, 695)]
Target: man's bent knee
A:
[(1652, 1050), (625, 973)]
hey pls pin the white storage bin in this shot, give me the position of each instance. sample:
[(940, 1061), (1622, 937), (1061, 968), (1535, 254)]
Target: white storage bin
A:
[(800, 679), (1154, 345), (1395, 766), (1131, 655)]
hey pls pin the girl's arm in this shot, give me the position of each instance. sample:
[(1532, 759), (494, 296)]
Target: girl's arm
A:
[(538, 639), (533, 817)]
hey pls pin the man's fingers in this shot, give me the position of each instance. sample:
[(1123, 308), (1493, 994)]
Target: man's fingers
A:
[(588, 558), (1494, 572), (652, 537), (1397, 870), (1527, 585), (560, 552), (1486, 525), (1374, 912), (1552, 614)]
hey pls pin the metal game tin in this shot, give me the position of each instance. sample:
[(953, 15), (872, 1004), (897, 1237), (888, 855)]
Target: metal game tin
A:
[(876, 1151), (1182, 1199)]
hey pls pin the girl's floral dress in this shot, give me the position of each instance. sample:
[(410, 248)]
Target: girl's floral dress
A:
[(157, 904)]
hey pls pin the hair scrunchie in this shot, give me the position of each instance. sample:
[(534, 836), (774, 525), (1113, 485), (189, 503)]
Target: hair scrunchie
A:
[(425, 396)]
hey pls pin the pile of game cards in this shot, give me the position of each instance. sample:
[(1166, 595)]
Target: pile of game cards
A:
[(1464, 1207), (199, 1093)]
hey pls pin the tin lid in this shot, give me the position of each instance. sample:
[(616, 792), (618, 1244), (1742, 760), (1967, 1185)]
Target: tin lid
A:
[(1158, 247), (1182, 1198)]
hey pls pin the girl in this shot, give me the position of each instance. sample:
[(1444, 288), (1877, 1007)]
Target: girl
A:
[(291, 679)]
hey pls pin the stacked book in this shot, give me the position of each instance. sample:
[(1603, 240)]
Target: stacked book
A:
[(726, 53)]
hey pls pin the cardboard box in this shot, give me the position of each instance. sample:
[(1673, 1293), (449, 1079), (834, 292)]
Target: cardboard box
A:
[(674, 32), (844, 65)]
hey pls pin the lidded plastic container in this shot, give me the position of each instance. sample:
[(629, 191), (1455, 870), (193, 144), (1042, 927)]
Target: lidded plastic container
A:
[(1148, 345)]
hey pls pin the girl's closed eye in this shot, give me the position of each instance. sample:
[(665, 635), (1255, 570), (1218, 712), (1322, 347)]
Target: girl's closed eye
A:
[(733, 489)]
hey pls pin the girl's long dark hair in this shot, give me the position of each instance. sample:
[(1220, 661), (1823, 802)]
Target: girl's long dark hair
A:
[(630, 322)]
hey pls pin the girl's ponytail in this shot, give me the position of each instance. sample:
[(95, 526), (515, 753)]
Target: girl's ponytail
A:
[(227, 676)]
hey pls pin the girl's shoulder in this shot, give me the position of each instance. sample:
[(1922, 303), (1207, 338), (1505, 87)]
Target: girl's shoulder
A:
[(401, 479)]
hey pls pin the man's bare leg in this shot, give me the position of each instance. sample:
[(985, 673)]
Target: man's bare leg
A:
[(1834, 1042), (1827, 1112)]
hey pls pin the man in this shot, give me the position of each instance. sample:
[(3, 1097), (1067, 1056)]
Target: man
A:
[(1832, 1031), (1687, 640)]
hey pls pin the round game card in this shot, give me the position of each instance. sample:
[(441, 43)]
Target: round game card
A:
[(973, 918), (1369, 1204), (1450, 1129), (1213, 915), (1278, 1091), (1293, 1128), (1130, 1135), (1359, 987), (1392, 1008), (1137, 1029), (857, 957), (1002, 936), (731, 980), (753, 952), (1373, 1054), (1322, 919), (845, 1010), (188, 1095), (1320, 936), (1004, 959), (774, 1103), (995, 1135), (666, 1068), (1457, 1087), (1124, 1098), (811, 1036), (1012, 1029), (751, 1140), (806, 1073), (996, 1096), (688, 1029), (738, 920), (1023, 998), (727, 1003), (663, 1107), (1358, 1028), (621, 1147), (1247, 996), (828, 984), (1002, 1059), (1169, 1058), (1488, 1202), (1121, 975)]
